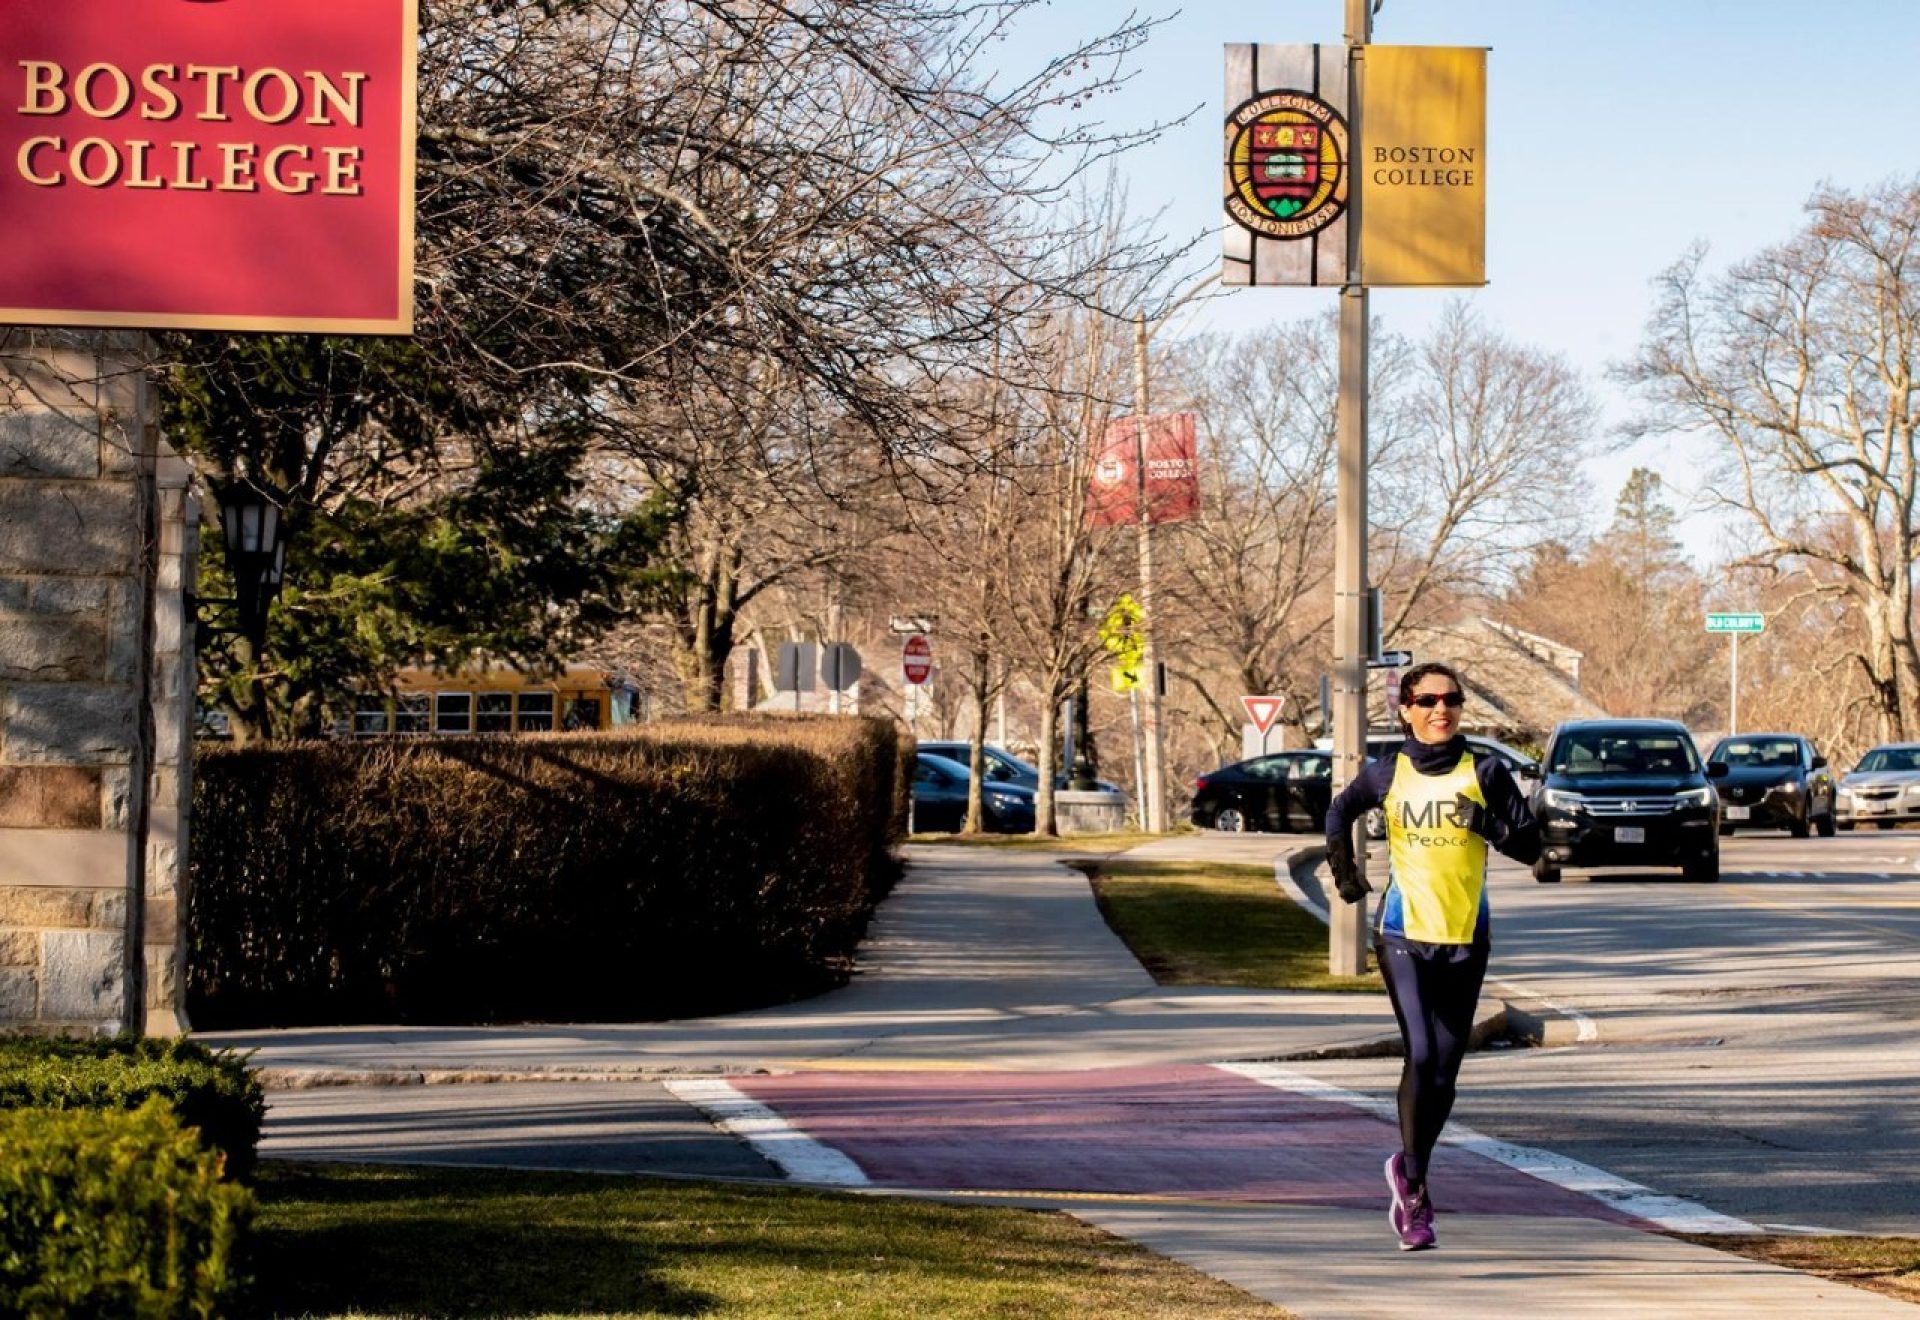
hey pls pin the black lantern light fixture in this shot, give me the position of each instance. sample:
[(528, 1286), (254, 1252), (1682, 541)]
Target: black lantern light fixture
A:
[(254, 530)]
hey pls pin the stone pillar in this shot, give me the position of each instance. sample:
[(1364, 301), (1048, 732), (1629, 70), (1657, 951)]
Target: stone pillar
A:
[(95, 682)]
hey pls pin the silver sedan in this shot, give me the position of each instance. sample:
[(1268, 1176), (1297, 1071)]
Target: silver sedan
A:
[(1884, 788)]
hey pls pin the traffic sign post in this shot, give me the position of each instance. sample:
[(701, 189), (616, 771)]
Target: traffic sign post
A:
[(840, 666), (1733, 625), (1261, 713)]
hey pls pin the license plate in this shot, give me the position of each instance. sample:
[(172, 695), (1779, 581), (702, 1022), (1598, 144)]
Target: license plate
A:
[(1629, 834), (1876, 808), (1739, 813)]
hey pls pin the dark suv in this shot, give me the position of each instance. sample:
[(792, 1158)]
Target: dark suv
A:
[(1627, 793)]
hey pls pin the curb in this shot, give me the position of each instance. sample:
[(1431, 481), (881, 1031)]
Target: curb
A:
[(310, 1079), (1506, 1022)]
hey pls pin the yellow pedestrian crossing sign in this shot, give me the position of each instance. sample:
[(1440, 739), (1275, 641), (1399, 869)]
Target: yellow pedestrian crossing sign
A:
[(1121, 634)]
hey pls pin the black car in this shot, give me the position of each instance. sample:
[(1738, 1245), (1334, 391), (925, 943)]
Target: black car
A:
[(1627, 793), (1774, 781), (1003, 767), (1281, 792), (940, 799)]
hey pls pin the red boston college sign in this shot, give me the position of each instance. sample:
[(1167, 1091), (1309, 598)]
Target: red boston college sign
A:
[(208, 164)]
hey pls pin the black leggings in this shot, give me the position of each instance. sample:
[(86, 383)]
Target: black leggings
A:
[(1434, 998)]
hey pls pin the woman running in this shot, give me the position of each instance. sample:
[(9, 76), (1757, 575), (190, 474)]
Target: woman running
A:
[(1443, 805)]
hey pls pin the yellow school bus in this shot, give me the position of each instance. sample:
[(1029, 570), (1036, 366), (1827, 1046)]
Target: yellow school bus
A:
[(498, 700)]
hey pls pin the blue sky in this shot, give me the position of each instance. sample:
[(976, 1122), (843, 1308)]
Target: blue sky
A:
[(1619, 132)]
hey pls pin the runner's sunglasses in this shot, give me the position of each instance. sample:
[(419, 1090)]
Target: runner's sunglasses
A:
[(1428, 700)]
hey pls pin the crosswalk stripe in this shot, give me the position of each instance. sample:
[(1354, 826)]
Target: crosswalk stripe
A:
[(1673, 1213), (780, 1142)]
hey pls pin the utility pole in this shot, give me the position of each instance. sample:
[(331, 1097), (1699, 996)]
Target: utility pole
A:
[(1153, 795), (1346, 951)]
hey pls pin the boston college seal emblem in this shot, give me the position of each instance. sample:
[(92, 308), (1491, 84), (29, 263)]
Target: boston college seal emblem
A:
[(1286, 165)]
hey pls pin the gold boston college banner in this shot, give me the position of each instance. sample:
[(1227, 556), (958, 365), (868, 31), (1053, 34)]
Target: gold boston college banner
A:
[(1422, 166)]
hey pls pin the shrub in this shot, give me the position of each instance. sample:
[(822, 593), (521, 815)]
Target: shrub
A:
[(686, 867), (211, 1093), (113, 1213)]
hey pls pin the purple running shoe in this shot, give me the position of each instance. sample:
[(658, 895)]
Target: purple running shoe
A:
[(1403, 1194), (1418, 1234)]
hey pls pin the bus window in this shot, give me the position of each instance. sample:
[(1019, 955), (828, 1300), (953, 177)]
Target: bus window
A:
[(453, 712), (536, 712), (412, 712), (493, 712), (371, 715), (580, 713)]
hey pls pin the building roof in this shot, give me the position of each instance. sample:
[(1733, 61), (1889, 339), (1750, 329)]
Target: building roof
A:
[(1519, 686)]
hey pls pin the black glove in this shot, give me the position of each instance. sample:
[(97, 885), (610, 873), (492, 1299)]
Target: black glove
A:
[(1347, 880), (1473, 816)]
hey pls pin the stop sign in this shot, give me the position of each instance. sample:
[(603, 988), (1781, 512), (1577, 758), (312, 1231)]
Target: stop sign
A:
[(916, 659)]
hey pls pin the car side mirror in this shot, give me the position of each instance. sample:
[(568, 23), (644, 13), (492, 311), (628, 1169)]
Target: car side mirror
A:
[(1819, 763), (1717, 769)]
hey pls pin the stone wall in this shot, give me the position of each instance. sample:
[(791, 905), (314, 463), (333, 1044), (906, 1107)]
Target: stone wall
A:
[(97, 541)]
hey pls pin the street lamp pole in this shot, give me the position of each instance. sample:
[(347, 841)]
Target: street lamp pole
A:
[(1153, 800), (1346, 950)]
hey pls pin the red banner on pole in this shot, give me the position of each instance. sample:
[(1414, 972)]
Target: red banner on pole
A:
[(1172, 472), (208, 166)]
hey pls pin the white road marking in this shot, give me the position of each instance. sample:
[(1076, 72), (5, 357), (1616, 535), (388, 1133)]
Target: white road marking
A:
[(1673, 1213), (1586, 1031), (795, 1153)]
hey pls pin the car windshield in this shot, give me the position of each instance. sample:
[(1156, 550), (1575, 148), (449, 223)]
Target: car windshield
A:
[(1781, 752), (1595, 752), (1891, 758)]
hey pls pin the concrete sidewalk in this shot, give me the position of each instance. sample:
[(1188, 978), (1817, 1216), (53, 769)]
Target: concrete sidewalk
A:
[(983, 958), (989, 960)]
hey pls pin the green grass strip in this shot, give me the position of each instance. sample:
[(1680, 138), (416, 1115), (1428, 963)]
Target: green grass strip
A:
[(1889, 1265), (1211, 923), (370, 1241), (1111, 841)]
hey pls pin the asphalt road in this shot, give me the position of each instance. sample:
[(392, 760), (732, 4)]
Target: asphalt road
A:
[(1753, 1042)]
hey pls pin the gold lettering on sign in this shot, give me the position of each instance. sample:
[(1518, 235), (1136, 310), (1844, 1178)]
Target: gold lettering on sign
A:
[(210, 93)]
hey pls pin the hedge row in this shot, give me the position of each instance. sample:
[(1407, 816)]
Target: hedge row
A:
[(679, 868), (114, 1213), (213, 1094)]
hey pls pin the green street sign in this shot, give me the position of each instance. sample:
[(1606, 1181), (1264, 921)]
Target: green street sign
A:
[(1736, 623)]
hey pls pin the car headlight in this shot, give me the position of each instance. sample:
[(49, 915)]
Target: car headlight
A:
[(1565, 801), (1003, 800), (1695, 797), (1843, 793), (1913, 788)]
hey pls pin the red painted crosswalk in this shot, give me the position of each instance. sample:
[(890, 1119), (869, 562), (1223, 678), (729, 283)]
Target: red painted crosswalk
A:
[(1181, 1131)]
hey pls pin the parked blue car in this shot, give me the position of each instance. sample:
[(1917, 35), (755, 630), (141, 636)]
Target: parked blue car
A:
[(1003, 767), (940, 799)]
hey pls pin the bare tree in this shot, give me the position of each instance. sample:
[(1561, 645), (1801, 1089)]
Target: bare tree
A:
[(1800, 362), (1247, 582), (1478, 476)]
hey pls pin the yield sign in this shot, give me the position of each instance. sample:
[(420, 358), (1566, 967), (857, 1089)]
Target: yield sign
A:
[(1262, 711)]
